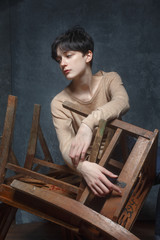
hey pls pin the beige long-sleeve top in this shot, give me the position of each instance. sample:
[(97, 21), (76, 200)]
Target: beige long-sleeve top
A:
[(110, 101)]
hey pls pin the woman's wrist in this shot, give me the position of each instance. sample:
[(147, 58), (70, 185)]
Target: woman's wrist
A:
[(80, 167)]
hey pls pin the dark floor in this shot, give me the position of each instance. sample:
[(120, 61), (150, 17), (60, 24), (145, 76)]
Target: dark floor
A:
[(49, 231)]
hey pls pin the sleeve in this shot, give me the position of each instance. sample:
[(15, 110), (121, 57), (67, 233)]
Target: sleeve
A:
[(63, 125), (117, 106)]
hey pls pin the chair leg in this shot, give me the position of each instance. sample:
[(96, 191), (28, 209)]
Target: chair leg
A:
[(157, 224), (67, 234), (7, 214)]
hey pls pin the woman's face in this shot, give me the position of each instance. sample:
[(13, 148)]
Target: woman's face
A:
[(72, 63)]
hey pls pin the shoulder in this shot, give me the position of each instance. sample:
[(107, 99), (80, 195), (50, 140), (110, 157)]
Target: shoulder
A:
[(56, 103), (107, 75), (111, 76), (60, 98), (57, 108)]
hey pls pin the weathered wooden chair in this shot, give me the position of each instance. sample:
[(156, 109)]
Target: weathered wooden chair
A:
[(61, 196)]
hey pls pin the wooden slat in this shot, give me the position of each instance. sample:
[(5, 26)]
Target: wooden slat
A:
[(83, 111), (33, 137), (97, 141), (84, 195), (111, 147), (7, 135), (78, 210), (110, 133), (128, 175), (44, 146), (42, 177), (63, 168), (115, 163), (12, 158)]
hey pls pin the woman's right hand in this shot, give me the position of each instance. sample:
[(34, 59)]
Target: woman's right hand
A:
[(95, 177)]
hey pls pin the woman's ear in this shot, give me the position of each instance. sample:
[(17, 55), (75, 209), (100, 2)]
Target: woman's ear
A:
[(89, 56)]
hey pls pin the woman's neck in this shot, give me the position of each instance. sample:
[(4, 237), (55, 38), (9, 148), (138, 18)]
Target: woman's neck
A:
[(82, 87)]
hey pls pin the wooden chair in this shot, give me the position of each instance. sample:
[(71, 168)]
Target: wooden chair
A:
[(136, 171), (60, 195)]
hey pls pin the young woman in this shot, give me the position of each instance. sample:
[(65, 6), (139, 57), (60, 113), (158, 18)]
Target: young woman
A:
[(102, 92)]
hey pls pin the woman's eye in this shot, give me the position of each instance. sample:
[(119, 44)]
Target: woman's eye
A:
[(58, 60), (69, 55)]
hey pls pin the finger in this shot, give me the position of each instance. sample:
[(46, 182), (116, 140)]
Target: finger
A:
[(117, 189), (104, 189), (97, 191), (75, 161), (71, 151), (83, 153), (108, 173), (110, 185), (76, 155)]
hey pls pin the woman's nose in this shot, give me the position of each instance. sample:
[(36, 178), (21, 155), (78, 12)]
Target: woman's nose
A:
[(63, 62)]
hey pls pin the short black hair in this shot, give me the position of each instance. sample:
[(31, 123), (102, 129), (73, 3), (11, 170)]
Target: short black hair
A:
[(74, 39)]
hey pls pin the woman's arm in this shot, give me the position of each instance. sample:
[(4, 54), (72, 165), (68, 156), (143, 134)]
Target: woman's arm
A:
[(117, 106), (64, 129), (94, 175), (118, 102)]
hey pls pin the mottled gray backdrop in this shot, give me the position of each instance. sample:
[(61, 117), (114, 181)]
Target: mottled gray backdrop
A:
[(127, 40)]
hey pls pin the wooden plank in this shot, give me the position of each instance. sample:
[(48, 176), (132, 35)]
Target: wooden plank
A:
[(9, 196), (42, 177), (77, 209), (128, 175), (133, 205), (146, 170), (8, 180), (131, 129), (7, 135), (33, 137)]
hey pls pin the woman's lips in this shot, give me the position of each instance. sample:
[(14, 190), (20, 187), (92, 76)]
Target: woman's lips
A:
[(66, 71)]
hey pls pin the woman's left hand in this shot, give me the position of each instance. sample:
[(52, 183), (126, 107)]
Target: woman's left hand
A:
[(80, 144)]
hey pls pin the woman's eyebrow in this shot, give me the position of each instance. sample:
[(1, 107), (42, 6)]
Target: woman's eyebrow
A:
[(64, 52)]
